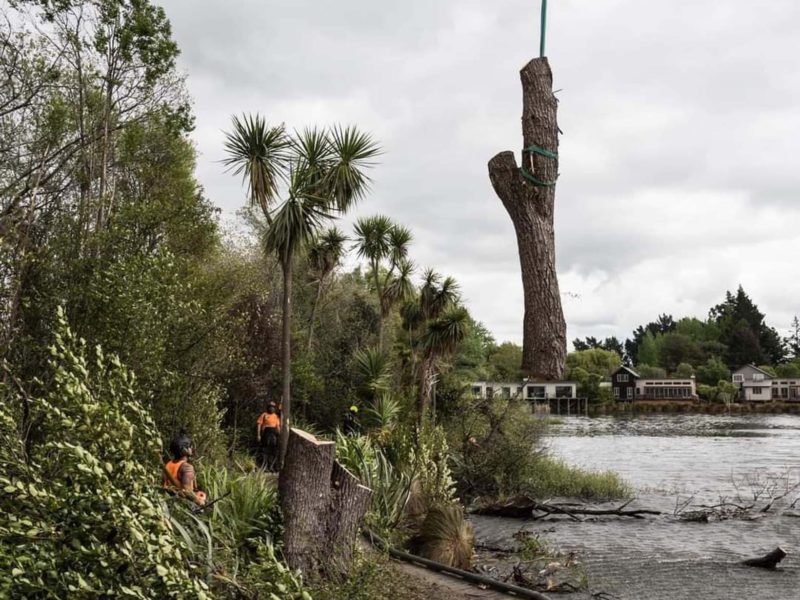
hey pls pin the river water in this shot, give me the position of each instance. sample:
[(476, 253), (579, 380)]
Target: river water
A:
[(671, 460)]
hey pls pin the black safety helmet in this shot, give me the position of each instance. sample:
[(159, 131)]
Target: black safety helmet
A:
[(180, 446)]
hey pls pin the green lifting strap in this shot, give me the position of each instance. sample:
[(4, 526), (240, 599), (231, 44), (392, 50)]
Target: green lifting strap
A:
[(533, 149)]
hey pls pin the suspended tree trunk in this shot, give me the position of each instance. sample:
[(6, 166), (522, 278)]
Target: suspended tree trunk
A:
[(530, 207), (322, 504)]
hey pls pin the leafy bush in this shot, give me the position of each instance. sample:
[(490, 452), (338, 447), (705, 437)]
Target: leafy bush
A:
[(80, 510), (497, 453)]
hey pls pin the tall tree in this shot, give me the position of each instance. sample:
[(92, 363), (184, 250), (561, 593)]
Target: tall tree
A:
[(385, 246), (528, 195), (437, 325), (745, 333), (324, 256), (323, 172)]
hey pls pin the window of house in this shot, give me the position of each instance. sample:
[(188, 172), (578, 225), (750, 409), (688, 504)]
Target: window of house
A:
[(757, 391), (536, 391), (758, 377), (563, 391), (622, 377), (489, 392), (506, 392), (738, 377), (630, 393), (616, 392)]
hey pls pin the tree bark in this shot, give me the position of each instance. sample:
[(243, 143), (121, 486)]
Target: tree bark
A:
[(313, 317), (322, 504), (531, 208), (286, 358), (425, 392)]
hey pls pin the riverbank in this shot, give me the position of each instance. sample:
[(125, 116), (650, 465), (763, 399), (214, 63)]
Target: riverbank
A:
[(671, 459), (700, 408)]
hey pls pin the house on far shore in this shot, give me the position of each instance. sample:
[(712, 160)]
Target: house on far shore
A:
[(628, 385), (525, 389), (756, 385)]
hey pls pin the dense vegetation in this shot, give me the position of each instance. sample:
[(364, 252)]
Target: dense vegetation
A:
[(128, 315)]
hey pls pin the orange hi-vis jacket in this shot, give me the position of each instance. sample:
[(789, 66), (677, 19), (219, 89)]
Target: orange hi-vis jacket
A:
[(267, 420), (173, 467)]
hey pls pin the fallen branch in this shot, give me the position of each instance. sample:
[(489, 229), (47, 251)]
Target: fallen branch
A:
[(768, 561), (525, 507)]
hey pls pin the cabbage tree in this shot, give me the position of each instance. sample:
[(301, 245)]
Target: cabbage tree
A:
[(299, 181)]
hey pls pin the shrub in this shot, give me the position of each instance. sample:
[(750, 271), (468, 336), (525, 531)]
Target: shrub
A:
[(80, 511), (390, 485), (494, 445), (499, 454), (554, 477), (446, 537)]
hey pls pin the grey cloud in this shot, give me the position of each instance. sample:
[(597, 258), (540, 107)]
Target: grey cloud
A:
[(686, 100)]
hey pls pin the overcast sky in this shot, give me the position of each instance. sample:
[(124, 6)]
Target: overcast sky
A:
[(679, 162)]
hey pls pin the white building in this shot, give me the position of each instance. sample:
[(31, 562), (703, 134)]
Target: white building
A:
[(529, 390), (756, 385)]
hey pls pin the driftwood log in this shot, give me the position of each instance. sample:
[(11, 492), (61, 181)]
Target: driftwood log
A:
[(323, 504), (523, 507), (768, 561), (531, 208)]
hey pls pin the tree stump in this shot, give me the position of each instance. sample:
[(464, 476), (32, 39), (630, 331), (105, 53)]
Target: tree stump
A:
[(768, 561), (529, 198), (323, 504)]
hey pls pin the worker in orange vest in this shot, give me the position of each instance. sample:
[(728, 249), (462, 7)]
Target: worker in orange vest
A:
[(179, 475), (268, 430)]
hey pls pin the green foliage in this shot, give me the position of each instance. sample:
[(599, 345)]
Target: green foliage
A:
[(77, 507), (269, 578), (745, 333), (390, 484), (497, 453), (494, 443), (789, 370), (373, 369), (505, 361), (648, 352), (246, 507), (554, 477), (590, 367), (431, 459), (650, 371), (713, 371)]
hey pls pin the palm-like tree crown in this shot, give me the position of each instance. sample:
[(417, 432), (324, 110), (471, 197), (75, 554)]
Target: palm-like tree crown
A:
[(259, 153), (326, 251)]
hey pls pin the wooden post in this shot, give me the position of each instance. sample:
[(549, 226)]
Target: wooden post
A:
[(323, 504)]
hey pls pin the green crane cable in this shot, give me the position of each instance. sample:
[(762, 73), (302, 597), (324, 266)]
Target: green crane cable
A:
[(533, 149), (543, 29)]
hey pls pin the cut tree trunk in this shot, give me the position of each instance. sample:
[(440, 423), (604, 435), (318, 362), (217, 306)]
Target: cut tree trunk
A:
[(768, 561), (531, 208), (322, 504)]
